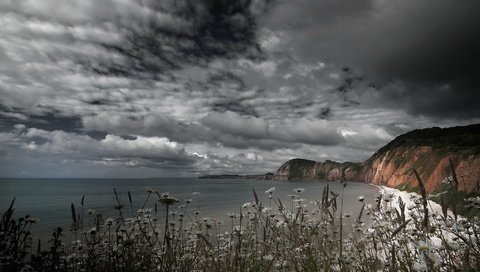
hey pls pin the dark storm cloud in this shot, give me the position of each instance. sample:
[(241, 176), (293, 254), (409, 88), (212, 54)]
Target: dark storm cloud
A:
[(225, 77), (235, 106), (324, 113), (198, 32), (298, 14), (423, 55), (93, 47), (48, 121)]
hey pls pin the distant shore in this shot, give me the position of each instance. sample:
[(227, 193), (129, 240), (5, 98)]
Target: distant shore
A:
[(260, 177)]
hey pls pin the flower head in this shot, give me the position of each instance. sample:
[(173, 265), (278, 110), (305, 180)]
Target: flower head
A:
[(270, 191), (423, 246), (299, 190), (91, 211), (473, 201), (166, 199)]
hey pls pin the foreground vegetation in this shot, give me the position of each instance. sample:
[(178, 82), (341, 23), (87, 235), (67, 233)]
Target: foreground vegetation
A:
[(392, 234)]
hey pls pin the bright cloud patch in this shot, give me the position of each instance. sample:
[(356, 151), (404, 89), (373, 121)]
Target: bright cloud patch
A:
[(152, 148)]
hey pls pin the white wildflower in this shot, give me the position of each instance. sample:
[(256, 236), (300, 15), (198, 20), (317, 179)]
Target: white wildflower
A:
[(270, 191), (299, 190)]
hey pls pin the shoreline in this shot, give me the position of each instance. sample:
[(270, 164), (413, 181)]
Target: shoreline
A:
[(409, 198)]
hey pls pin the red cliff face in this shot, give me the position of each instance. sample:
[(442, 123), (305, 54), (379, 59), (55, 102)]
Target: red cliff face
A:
[(394, 168), (428, 151)]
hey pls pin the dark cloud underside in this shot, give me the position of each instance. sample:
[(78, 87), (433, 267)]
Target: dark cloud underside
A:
[(424, 48), (199, 31)]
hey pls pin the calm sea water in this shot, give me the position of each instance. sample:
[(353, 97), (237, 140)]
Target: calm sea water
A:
[(50, 199)]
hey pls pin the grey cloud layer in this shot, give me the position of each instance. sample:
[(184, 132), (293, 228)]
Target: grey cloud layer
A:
[(409, 49), (145, 88)]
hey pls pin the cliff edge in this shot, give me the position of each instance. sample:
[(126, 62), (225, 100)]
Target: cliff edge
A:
[(429, 151), (311, 170)]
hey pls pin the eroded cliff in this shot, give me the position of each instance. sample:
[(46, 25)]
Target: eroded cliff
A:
[(311, 170), (429, 151)]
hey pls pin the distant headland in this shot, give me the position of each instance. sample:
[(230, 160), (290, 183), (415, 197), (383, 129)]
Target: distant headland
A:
[(267, 176)]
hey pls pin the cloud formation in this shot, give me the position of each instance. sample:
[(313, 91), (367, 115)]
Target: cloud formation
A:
[(157, 88), (153, 148), (407, 49)]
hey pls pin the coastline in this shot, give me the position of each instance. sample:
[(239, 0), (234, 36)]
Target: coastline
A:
[(409, 199)]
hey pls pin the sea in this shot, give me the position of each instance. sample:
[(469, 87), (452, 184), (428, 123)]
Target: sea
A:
[(50, 199)]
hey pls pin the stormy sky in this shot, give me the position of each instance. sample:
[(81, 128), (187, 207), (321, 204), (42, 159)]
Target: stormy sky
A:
[(148, 88)]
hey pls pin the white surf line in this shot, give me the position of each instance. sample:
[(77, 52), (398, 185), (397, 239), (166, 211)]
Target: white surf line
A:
[(434, 209)]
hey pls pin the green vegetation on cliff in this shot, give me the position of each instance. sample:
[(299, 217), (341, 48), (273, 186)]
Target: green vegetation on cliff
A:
[(463, 139), (298, 166), (308, 169)]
